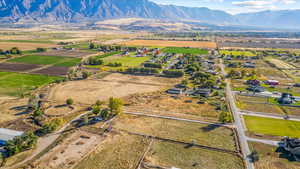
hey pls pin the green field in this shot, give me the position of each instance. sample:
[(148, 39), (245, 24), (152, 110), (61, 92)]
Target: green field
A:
[(47, 60), (237, 53), (126, 61), (15, 84), (185, 50), (108, 54), (274, 127)]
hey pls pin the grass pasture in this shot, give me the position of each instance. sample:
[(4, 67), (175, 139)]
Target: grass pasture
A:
[(169, 155), (237, 53), (203, 134), (179, 50), (272, 127), (126, 61), (165, 43), (15, 84), (47, 60)]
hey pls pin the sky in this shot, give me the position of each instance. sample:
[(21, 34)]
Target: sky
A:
[(237, 6)]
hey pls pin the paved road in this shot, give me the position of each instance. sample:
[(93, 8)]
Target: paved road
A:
[(274, 116), (269, 142), (179, 119), (238, 121)]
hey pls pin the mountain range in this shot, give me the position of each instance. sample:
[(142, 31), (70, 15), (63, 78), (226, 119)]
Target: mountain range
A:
[(95, 10)]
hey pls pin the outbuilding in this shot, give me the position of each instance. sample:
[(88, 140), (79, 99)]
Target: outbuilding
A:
[(8, 134)]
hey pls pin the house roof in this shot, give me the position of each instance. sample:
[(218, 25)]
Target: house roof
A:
[(7, 134)]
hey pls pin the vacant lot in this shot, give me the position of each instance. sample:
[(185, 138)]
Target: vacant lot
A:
[(119, 151), (16, 83), (53, 71), (65, 53), (164, 43), (195, 51), (270, 159), (24, 45), (17, 67), (114, 85), (70, 151), (280, 64), (203, 134), (273, 127), (126, 61), (162, 104), (169, 155), (237, 53), (47, 60)]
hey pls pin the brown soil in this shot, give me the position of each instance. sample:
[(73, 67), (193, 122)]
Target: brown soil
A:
[(53, 71), (17, 67)]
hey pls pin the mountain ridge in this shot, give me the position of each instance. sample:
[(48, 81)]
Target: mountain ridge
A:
[(94, 10)]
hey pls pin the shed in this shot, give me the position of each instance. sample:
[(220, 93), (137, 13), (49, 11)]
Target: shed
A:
[(8, 134)]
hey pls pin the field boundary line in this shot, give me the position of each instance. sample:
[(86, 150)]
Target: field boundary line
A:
[(144, 154)]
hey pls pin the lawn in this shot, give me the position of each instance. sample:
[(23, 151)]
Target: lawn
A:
[(195, 51), (269, 158), (273, 127), (203, 134), (16, 83), (47, 60), (126, 61), (120, 151), (169, 155)]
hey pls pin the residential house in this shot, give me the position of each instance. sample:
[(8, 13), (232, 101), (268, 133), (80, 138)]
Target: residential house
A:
[(8, 134)]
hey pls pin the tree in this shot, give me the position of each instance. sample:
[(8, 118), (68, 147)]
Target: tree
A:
[(105, 113), (225, 117), (15, 50), (99, 103), (86, 120), (96, 109), (41, 49), (69, 101), (254, 157), (115, 106), (92, 46)]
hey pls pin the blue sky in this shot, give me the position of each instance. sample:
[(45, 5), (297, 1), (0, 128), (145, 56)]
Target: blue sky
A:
[(237, 6)]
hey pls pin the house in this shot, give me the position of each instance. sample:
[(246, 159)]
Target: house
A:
[(253, 82), (292, 147), (257, 89), (8, 134), (286, 98), (297, 85), (204, 92), (249, 65), (175, 91), (272, 82)]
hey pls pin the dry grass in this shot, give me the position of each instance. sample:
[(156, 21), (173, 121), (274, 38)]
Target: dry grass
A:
[(119, 151), (281, 64), (164, 43), (269, 159), (169, 154), (203, 134), (10, 108), (24, 46)]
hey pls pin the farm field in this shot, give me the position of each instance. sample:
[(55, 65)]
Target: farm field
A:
[(17, 67), (53, 71), (270, 159), (65, 53), (164, 43), (167, 155), (126, 61), (203, 134), (178, 50), (113, 85), (25, 45), (15, 84), (272, 127), (120, 151), (237, 53), (47, 60), (162, 104), (280, 64)]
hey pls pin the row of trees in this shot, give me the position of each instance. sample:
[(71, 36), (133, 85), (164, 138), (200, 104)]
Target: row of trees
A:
[(13, 51), (143, 71), (153, 65), (173, 73)]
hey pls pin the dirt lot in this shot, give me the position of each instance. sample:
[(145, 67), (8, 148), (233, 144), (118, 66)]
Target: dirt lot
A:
[(70, 151), (281, 64), (163, 104), (113, 85), (53, 71), (65, 53), (59, 110), (11, 109), (166, 155), (118, 151), (24, 46), (164, 43), (17, 67)]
